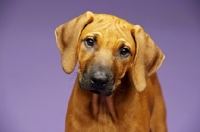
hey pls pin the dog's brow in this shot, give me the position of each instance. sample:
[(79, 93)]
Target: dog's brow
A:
[(124, 42), (94, 34)]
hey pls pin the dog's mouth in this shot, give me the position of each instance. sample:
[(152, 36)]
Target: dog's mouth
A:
[(103, 93), (95, 91)]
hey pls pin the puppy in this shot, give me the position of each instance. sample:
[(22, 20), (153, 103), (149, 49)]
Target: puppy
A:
[(116, 89)]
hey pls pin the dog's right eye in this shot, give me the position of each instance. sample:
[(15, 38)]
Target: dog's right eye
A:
[(89, 42)]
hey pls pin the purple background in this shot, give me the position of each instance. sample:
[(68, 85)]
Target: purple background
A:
[(34, 91)]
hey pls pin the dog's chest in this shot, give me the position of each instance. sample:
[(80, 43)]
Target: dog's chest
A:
[(101, 108)]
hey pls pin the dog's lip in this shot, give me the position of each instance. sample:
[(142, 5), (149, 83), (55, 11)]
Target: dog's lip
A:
[(103, 93), (95, 91)]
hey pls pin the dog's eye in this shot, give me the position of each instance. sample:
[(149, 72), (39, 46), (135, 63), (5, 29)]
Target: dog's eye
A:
[(89, 42), (124, 52)]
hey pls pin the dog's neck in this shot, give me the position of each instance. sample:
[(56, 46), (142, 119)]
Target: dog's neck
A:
[(103, 107)]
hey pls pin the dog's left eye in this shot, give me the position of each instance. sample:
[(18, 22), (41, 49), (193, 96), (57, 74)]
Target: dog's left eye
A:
[(89, 42), (124, 52)]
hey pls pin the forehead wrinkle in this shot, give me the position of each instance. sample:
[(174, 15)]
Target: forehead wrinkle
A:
[(98, 25)]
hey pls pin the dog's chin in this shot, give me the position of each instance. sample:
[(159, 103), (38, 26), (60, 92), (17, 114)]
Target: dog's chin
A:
[(103, 93)]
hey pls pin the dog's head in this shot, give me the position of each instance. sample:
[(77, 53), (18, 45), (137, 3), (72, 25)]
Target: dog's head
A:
[(106, 48)]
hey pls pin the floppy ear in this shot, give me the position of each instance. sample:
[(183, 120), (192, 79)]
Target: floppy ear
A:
[(67, 36), (147, 60)]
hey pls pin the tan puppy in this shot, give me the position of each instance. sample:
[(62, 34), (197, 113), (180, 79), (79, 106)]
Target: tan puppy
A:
[(116, 89)]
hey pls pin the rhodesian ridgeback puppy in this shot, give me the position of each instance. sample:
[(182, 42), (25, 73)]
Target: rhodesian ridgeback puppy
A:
[(116, 89)]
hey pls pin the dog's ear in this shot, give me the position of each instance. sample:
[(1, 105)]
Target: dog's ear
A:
[(67, 36), (147, 60)]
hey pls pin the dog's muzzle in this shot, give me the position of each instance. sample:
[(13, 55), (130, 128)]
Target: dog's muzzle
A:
[(98, 80)]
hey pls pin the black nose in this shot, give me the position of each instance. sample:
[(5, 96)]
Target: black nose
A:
[(99, 79)]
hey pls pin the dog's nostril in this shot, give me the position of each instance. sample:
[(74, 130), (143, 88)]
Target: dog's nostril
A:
[(99, 79)]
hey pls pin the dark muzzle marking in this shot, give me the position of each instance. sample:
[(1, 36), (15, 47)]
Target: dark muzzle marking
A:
[(99, 80)]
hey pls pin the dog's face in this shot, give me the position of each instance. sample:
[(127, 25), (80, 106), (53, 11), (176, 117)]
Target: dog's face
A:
[(106, 48), (106, 51)]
